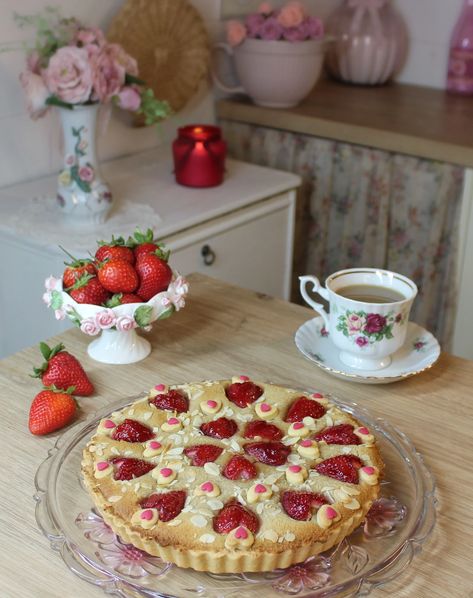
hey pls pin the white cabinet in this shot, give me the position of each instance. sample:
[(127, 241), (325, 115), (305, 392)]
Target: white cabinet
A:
[(241, 232)]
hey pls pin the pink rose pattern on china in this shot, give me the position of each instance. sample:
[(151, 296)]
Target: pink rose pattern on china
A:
[(289, 23), (364, 328)]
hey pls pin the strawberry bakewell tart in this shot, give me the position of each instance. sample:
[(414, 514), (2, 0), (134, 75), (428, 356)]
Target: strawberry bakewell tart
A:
[(233, 475)]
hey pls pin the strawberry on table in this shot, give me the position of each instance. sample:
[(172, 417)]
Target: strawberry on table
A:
[(63, 370), (114, 249), (51, 410), (89, 290), (154, 274), (117, 276)]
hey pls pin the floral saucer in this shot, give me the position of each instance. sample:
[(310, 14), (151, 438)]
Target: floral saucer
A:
[(420, 351)]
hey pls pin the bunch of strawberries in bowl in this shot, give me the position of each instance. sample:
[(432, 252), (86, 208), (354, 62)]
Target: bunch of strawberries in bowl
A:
[(122, 286)]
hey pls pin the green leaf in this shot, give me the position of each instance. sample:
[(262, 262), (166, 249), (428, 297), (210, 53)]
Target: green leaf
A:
[(167, 312), (45, 350), (132, 80), (142, 315), (55, 101), (56, 300), (74, 316)]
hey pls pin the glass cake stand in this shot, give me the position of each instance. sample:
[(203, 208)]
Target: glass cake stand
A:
[(395, 530)]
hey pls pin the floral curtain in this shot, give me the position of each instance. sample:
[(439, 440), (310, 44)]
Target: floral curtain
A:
[(367, 207)]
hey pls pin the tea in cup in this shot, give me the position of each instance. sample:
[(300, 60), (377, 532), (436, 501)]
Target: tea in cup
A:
[(369, 313)]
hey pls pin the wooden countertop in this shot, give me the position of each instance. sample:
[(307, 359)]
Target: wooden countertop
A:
[(225, 330), (407, 119)]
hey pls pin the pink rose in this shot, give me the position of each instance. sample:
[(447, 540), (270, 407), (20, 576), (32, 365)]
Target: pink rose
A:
[(129, 99), (355, 323), (47, 298), (69, 75), (108, 72), (315, 27), (90, 35), (36, 93), (59, 314), (236, 32), (86, 173), (265, 8), (362, 341), (271, 29), (296, 34), (89, 326), (291, 15), (33, 62), (70, 160), (166, 302), (374, 323), (105, 319), (125, 323), (253, 24)]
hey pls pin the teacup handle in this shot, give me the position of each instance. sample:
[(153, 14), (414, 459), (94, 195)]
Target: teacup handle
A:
[(316, 288), (226, 88)]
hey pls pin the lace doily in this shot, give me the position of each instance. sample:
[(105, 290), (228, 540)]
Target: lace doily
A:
[(42, 221)]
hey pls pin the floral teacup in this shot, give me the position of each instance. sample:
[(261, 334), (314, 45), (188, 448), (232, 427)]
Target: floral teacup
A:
[(367, 333)]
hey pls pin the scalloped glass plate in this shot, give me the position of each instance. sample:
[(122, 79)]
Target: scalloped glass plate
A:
[(395, 530)]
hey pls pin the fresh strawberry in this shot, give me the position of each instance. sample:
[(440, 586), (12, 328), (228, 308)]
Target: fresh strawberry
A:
[(173, 400), (122, 299), (270, 453), (50, 411), (63, 370), (200, 454), (75, 269), (239, 468), (261, 429), (243, 393), (89, 290), (131, 430), (219, 428), (154, 274), (169, 504), (304, 407), (115, 249), (341, 434), (341, 467), (234, 514), (301, 505), (117, 276), (144, 243), (127, 469)]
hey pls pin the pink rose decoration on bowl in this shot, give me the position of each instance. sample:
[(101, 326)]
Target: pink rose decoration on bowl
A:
[(236, 32), (291, 15), (374, 323), (129, 99), (125, 323), (89, 326), (362, 341), (105, 319), (36, 93), (69, 75)]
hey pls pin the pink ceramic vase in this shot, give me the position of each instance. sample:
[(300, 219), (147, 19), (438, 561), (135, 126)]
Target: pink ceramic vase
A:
[(370, 42)]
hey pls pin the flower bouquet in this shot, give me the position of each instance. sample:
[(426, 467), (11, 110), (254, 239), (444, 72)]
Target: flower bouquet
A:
[(278, 54), (72, 67), (125, 286)]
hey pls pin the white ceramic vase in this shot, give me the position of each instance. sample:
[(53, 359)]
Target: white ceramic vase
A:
[(82, 194), (276, 74)]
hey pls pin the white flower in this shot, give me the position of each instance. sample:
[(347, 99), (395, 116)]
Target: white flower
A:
[(125, 323), (50, 283), (60, 314), (89, 326), (105, 319), (47, 299)]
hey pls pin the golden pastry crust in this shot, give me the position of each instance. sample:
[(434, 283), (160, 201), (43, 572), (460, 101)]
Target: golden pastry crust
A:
[(189, 539)]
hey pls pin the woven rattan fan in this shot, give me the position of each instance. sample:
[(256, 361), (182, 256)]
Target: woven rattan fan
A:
[(169, 40)]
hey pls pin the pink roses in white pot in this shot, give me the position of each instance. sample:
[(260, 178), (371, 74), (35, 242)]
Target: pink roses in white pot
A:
[(75, 69), (278, 54)]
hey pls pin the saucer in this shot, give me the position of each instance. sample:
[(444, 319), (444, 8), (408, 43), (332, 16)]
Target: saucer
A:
[(419, 353)]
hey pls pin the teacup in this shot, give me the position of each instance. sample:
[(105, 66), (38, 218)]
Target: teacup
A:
[(369, 313)]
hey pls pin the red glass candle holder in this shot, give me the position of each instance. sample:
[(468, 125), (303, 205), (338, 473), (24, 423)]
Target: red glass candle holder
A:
[(199, 156)]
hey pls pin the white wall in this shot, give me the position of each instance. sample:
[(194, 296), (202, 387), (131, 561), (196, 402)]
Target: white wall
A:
[(29, 149), (430, 23)]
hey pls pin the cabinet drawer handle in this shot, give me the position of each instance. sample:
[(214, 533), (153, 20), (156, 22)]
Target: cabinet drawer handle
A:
[(208, 254)]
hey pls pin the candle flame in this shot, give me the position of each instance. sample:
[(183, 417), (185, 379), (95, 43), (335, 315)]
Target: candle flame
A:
[(198, 130)]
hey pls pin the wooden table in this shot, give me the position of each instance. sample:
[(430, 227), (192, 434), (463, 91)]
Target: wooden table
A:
[(225, 330)]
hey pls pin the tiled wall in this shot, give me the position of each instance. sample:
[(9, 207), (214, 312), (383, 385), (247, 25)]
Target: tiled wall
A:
[(30, 149), (430, 23)]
